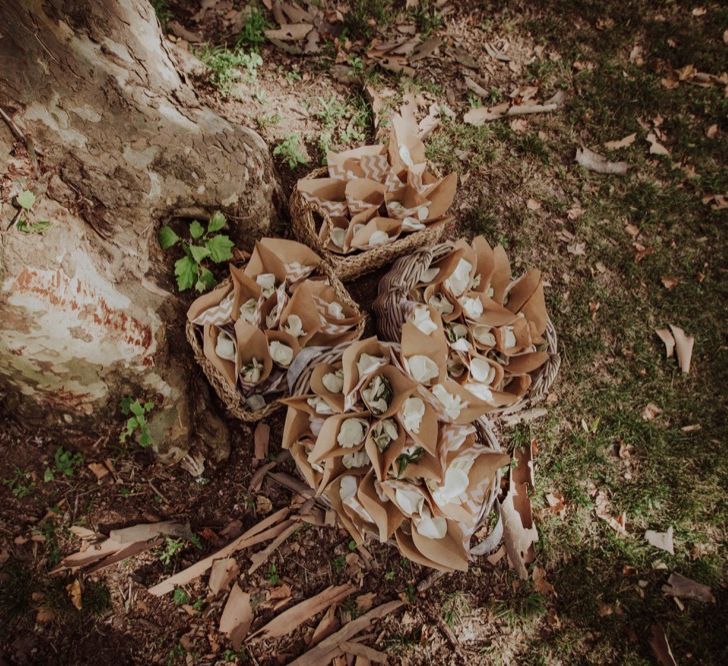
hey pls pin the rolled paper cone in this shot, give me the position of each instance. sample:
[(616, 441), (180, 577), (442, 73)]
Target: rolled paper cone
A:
[(362, 193), (433, 346), (351, 355), (436, 289), (299, 453), (391, 227), (441, 196), (526, 363), (374, 167), (387, 517), (297, 425), (429, 429), (534, 309), (283, 338), (265, 260), (331, 493), (485, 469), (361, 217), (278, 299), (474, 409), (321, 289), (327, 445), (521, 290), (495, 314), (485, 263), (404, 132), (342, 163), (501, 277), (516, 386), (425, 467), (226, 368), (409, 199), (245, 288), (402, 387), (497, 368), (382, 460), (290, 252), (303, 306), (323, 189), (252, 343), (410, 551), (448, 551), (335, 400), (206, 301)]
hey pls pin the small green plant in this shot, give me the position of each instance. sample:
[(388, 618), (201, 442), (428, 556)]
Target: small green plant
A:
[(199, 603), (290, 150), (205, 245), (20, 483), (229, 65), (162, 10), (272, 576), (170, 550), (364, 15), (253, 32), (338, 564), (351, 546), (390, 576), (26, 200), (426, 17), (136, 423), (64, 463)]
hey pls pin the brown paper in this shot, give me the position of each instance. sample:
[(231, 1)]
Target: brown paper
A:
[(434, 346), (383, 460), (226, 368), (429, 429), (448, 551), (326, 445), (475, 407), (441, 196), (252, 343), (335, 400), (245, 288), (302, 305), (386, 515), (206, 301), (347, 163), (402, 388), (349, 359), (360, 238), (501, 273)]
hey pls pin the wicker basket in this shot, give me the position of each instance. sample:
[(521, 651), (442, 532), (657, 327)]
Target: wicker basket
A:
[(485, 427), (393, 307), (231, 397), (348, 267)]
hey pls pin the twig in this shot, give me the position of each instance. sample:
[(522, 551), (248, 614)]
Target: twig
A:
[(13, 127), (446, 631), (159, 492)]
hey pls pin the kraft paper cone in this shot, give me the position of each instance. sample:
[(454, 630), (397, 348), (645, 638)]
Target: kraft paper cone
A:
[(265, 260), (441, 196), (382, 461), (517, 386), (335, 400), (409, 550), (362, 194), (534, 310), (360, 239), (299, 453), (328, 193), (405, 202), (497, 368), (501, 277), (210, 333), (402, 388), (522, 289), (245, 288), (474, 409), (495, 314), (405, 134), (206, 301), (359, 219), (429, 429), (297, 424), (436, 289), (387, 517), (426, 467), (326, 445), (433, 346), (272, 308), (286, 339), (346, 164), (331, 493), (349, 359), (485, 263), (302, 305), (290, 252), (252, 343), (525, 363), (447, 552)]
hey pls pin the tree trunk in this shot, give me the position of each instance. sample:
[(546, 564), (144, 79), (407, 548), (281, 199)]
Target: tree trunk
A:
[(112, 139)]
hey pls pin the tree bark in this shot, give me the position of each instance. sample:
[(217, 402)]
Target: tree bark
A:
[(111, 138)]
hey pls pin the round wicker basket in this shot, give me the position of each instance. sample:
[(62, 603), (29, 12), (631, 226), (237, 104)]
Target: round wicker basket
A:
[(486, 430), (314, 233), (231, 397), (393, 307)]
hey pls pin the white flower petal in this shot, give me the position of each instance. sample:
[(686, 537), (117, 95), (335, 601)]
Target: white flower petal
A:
[(334, 381), (422, 320), (404, 155), (267, 282), (422, 368), (459, 280), (337, 236), (412, 224), (320, 406), (248, 310), (225, 347), (441, 304), (356, 459), (483, 335), (294, 326), (432, 527), (352, 432), (509, 337), (472, 307), (280, 353), (255, 402), (482, 371), (410, 501), (452, 404), (413, 411), (379, 237), (367, 364), (480, 391)]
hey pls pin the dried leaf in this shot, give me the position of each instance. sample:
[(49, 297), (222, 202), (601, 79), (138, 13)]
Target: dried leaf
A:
[(577, 249), (650, 411), (602, 510), (290, 32), (683, 347), (481, 114), (237, 616), (74, 593), (292, 618), (222, 573), (660, 646), (532, 204), (519, 532), (319, 654), (598, 163), (262, 439), (669, 341), (99, 470), (425, 49), (661, 540), (656, 148), (540, 584), (363, 651), (686, 588), (669, 282), (556, 503), (621, 143)]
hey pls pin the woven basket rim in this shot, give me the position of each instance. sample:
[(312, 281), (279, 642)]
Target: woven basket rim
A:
[(351, 266), (231, 397), (390, 300)]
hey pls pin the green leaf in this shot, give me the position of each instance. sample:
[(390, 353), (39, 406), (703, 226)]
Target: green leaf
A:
[(37, 228), (206, 280), (185, 269), (220, 248), (199, 252), (196, 230), (25, 199), (136, 408), (167, 237), (217, 222), (48, 475), (179, 596), (125, 405), (145, 439), (148, 406)]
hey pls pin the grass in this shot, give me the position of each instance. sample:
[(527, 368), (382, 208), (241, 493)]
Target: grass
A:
[(227, 66)]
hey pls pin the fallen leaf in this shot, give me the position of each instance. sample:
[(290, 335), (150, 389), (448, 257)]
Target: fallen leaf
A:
[(45, 614), (262, 439), (598, 163), (99, 470), (602, 510), (621, 143), (540, 584), (556, 503), (296, 615), (632, 230), (519, 532), (222, 573), (290, 32), (650, 411), (577, 249), (661, 540), (74, 593), (656, 148), (686, 588), (716, 201), (482, 114), (660, 646), (532, 204), (237, 616), (667, 339), (691, 428), (699, 11), (712, 131), (263, 504), (683, 347), (669, 282), (518, 125)]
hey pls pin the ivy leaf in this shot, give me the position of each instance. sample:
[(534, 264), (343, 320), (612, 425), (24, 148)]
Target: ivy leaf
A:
[(37, 228), (220, 248), (25, 199), (185, 269), (167, 237), (205, 281), (217, 222), (196, 230), (199, 252), (136, 408)]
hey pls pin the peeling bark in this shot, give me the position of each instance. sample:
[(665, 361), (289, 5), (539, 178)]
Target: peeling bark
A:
[(117, 141)]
